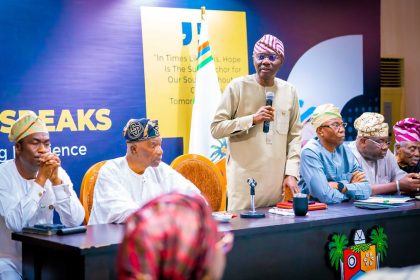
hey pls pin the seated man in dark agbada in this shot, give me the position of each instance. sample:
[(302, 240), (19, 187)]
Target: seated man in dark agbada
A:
[(407, 145), (329, 172)]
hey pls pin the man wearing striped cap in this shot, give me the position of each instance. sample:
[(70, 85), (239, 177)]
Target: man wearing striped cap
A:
[(270, 155), (32, 186), (407, 144)]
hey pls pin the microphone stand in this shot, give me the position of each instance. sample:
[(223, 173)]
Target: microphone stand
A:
[(252, 214)]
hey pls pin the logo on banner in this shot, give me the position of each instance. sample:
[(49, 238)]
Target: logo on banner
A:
[(336, 82), (170, 43)]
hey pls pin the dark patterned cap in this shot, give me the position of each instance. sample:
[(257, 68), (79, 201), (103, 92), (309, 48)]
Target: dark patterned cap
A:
[(140, 129)]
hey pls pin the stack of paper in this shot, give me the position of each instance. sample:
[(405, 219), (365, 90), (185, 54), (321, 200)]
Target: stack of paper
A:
[(284, 212), (384, 201)]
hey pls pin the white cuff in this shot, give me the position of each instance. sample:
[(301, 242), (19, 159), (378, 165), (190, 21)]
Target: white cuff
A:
[(398, 187), (36, 192), (245, 122), (61, 192)]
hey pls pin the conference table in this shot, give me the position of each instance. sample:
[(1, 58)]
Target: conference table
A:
[(275, 247)]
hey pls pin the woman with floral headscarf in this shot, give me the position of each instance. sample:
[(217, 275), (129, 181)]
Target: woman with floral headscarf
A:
[(172, 237), (407, 144)]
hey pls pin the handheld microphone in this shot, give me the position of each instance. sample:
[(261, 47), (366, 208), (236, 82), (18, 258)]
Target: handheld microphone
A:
[(268, 102)]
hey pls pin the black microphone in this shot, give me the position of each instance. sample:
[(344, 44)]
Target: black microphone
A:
[(252, 183), (268, 102), (252, 213)]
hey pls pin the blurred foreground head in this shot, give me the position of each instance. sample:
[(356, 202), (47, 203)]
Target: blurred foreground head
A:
[(172, 237)]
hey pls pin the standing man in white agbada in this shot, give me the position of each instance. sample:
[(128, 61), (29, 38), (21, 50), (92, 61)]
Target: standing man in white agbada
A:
[(32, 186), (272, 158), (124, 184)]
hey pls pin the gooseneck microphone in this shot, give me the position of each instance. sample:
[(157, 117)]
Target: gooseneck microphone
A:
[(268, 102), (252, 214)]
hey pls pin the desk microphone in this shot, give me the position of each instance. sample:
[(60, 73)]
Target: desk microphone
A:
[(252, 184), (252, 214), (268, 102)]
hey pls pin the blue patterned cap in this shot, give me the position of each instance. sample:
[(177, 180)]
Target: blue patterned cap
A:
[(140, 129)]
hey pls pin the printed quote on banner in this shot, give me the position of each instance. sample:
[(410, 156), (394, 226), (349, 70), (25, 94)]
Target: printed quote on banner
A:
[(170, 42)]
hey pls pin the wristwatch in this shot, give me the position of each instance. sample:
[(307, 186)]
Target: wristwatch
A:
[(340, 186)]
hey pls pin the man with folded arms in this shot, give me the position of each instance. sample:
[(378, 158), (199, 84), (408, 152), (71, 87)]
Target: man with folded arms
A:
[(126, 183), (407, 144), (329, 171), (31, 186), (379, 164)]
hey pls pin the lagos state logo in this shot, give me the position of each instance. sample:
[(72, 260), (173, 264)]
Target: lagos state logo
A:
[(362, 257)]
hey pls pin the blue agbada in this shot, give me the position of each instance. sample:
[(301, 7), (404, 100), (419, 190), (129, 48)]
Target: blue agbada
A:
[(319, 166)]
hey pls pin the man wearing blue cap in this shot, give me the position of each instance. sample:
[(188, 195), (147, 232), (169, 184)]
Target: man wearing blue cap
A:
[(124, 184)]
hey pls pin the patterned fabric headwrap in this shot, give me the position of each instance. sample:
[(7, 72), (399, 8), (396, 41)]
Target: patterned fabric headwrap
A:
[(26, 125), (407, 130), (173, 236), (371, 125), (324, 113), (140, 129), (269, 43)]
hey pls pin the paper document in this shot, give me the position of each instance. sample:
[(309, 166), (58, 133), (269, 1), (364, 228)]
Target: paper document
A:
[(384, 201), (388, 199), (280, 211)]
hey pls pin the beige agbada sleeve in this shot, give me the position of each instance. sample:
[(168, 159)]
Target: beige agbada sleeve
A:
[(249, 153)]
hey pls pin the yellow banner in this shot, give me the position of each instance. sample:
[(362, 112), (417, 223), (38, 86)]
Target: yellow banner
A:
[(170, 43)]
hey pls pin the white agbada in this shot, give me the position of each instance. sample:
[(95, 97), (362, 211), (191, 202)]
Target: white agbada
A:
[(25, 203), (381, 171), (119, 191)]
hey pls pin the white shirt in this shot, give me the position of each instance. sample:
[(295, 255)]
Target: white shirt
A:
[(381, 171), (119, 191), (25, 203)]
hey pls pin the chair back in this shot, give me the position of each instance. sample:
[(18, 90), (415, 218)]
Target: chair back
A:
[(206, 176), (288, 194), (87, 188), (221, 164)]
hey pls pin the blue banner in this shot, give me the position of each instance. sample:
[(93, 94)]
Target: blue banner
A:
[(80, 66)]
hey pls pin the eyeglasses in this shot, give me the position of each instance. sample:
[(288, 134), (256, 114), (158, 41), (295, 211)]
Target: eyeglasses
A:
[(380, 144), (225, 241), (335, 126), (261, 56)]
